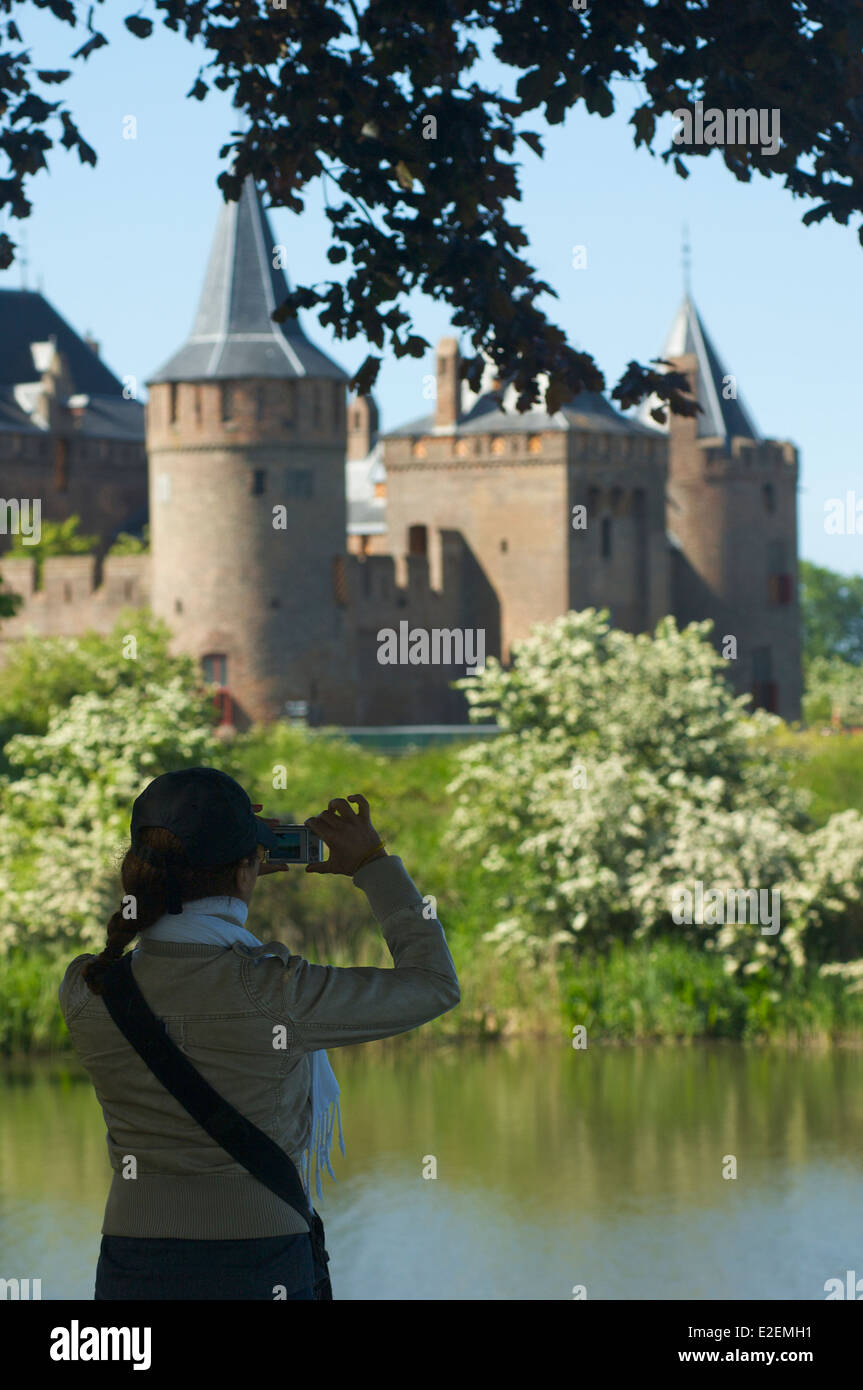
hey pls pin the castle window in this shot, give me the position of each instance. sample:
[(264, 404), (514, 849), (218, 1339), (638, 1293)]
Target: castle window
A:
[(606, 538), (67, 592), (419, 449), (178, 605), (498, 445), (197, 399), (61, 465), (215, 668), (227, 400), (765, 691), (769, 495), (259, 478), (289, 404), (128, 587), (504, 545), (316, 404), (172, 403), (779, 579), (260, 402), (417, 540), (534, 444), (340, 580)]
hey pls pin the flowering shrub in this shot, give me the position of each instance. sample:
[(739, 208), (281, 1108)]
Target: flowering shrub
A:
[(65, 805), (627, 766)]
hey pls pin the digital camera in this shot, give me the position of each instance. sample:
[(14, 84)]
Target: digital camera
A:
[(297, 845)]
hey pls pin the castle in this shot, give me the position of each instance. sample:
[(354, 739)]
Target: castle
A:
[(288, 533)]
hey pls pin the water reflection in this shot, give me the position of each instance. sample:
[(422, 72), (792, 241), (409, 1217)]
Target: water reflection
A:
[(555, 1168)]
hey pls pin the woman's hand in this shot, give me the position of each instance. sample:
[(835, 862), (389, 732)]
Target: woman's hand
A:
[(348, 834)]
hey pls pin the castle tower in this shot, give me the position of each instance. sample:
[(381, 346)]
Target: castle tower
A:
[(510, 485), (246, 435), (732, 521)]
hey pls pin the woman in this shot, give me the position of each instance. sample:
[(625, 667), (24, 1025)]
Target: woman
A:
[(183, 1219)]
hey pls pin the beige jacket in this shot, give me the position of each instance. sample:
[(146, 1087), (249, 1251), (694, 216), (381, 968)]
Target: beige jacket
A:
[(223, 1006)]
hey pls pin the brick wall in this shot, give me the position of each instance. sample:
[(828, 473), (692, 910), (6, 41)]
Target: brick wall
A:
[(103, 481), (70, 602)]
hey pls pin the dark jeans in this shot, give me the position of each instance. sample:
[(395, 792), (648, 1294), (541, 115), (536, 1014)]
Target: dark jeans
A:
[(132, 1267)]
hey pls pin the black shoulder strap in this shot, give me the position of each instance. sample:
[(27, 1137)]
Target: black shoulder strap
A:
[(246, 1143)]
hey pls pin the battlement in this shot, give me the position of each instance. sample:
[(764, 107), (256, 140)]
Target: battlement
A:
[(73, 598), (380, 586), (499, 448), (737, 459), (748, 453)]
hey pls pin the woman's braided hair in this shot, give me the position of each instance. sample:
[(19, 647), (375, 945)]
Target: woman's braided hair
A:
[(146, 894)]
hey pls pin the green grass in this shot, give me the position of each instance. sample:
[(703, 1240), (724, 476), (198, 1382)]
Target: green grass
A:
[(670, 990), (828, 765), (30, 1018)]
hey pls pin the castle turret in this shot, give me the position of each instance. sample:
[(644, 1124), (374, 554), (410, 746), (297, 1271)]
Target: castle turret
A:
[(246, 434), (732, 521)]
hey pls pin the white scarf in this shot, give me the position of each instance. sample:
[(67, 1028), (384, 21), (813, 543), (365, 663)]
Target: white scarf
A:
[(218, 921)]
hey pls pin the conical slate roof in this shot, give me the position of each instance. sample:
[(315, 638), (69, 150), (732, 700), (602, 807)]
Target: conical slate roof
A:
[(725, 419), (234, 335)]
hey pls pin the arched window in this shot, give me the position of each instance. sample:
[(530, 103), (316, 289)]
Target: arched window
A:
[(215, 671)]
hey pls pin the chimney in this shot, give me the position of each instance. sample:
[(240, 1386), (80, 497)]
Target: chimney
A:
[(448, 383), (362, 426), (91, 342)]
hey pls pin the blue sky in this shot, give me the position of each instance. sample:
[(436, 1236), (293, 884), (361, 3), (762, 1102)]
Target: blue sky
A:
[(120, 250)]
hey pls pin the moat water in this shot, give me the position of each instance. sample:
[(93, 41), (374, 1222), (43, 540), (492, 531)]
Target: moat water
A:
[(555, 1169)]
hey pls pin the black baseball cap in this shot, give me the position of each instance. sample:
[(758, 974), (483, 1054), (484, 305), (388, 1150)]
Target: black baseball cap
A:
[(207, 810)]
